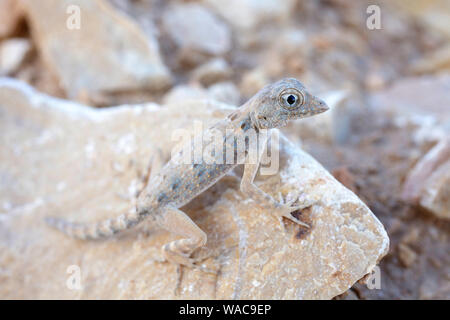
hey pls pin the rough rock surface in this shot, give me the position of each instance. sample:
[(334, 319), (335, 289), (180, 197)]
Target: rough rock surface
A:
[(108, 152), (107, 53)]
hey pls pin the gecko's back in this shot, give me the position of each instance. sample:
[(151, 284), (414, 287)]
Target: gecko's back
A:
[(185, 176)]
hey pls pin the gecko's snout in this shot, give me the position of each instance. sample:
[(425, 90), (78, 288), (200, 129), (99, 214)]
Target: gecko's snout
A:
[(323, 106), (320, 106)]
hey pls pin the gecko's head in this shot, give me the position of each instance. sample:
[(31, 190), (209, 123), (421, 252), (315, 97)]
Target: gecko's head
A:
[(282, 101)]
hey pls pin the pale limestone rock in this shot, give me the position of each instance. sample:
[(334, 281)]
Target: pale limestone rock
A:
[(253, 81), (424, 102), (434, 62), (107, 53), (420, 102), (419, 99), (63, 159), (212, 71), (246, 15), (414, 185), (185, 92), (434, 14), (255, 22), (436, 194), (10, 14), (196, 31), (406, 255), (225, 92), (12, 54)]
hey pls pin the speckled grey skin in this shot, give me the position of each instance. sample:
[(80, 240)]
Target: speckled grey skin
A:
[(177, 183)]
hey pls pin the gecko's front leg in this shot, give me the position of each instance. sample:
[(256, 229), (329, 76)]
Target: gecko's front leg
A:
[(280, 209)]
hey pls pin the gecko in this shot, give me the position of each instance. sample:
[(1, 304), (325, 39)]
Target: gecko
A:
[(178, 181)]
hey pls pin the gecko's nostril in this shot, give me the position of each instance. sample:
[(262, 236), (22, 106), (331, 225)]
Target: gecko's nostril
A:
[(322, 106)]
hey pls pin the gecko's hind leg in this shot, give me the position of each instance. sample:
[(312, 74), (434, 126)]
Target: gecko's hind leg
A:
[(180, 251)]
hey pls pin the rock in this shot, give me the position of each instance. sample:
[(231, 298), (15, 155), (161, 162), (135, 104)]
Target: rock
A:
[(107, 53), (436, 192), (423, 102), (434, 62), (64, 159), (12, 54), (247, 15), (196, 32), (406, 255), (415, 182), (10, 15), (185, 93), (211, 72), (417, 99), (375, 81), (433, 14), (225, 92), (253, 81), (418, 102), (287, 54)]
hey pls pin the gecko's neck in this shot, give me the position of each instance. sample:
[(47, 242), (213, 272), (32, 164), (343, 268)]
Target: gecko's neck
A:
[(243, 119)]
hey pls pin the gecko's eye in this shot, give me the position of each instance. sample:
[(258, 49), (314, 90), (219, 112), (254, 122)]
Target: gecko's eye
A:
[(291, 99)]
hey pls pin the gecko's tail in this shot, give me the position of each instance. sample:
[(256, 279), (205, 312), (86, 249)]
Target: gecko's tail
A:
[(98, 230)]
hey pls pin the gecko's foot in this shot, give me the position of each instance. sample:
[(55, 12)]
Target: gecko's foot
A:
[(285, 209), (185, 260)]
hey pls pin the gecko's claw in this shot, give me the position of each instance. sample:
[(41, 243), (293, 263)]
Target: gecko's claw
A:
[(194, 264), (284, 209), (186, 261)]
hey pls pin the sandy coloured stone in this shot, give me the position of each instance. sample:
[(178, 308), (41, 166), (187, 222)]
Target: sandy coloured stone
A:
[(13, 52), (10, 15), (101, 52), (436, 192), (212, 71), (196, 32)]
